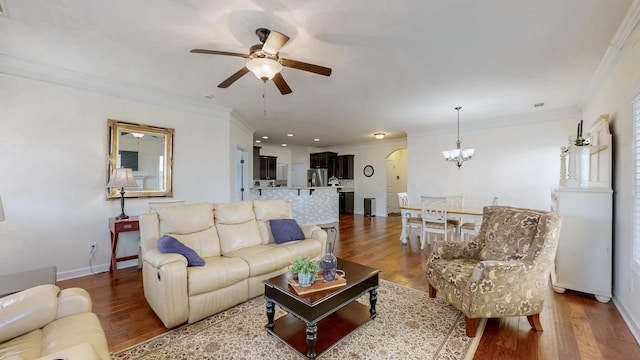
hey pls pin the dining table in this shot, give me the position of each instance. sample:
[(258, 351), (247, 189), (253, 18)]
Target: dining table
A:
[(415, 210)]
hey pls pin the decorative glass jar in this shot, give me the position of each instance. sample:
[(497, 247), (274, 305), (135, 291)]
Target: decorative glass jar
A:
[(329, 264)]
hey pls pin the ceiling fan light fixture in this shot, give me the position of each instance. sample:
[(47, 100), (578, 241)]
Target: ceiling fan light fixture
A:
[(264, 68)]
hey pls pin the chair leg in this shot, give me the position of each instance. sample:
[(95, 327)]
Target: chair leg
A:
[(534, 321), (471, 326), (432, 291)]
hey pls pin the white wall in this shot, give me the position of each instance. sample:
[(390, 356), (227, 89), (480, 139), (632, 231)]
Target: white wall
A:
[(615, 99), (53, 149), (519, 164)]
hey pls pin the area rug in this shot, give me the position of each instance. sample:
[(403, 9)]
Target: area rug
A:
[(409, 325)]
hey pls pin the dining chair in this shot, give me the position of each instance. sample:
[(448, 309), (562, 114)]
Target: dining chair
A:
[(434, 219), (412, 221), (471, 228), (456, 201)]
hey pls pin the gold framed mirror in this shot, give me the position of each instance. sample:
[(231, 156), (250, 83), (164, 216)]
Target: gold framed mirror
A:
[(148, 151)]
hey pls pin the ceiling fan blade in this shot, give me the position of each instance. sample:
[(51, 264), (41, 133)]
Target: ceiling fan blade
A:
[(274, 42), (321, 70), (215, 52), (231, 79), (281, 84)]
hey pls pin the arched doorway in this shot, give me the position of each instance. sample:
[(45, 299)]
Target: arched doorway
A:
[(396, 164)]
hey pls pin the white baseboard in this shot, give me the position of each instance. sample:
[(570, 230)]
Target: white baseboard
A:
[(628, 319), (96, 269)]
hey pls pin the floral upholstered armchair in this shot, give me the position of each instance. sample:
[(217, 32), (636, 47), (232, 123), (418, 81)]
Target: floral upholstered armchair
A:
[(504, 271)]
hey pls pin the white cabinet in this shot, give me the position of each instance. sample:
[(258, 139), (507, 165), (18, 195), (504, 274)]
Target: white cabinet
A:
[(583, 260)]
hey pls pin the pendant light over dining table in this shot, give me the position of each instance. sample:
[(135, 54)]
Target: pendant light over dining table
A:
[(458, 155)]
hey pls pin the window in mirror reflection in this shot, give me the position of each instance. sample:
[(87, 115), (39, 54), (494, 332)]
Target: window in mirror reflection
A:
[(147, 150)]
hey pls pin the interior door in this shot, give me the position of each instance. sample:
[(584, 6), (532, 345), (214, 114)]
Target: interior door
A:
[(299, 175)]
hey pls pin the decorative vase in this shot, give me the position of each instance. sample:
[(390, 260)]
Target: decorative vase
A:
[(584, 156), (329, 264)]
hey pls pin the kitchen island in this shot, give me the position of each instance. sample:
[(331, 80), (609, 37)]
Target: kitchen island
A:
[(310, 205)]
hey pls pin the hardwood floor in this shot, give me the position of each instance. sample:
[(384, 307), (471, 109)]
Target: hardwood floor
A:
[(576, 326)]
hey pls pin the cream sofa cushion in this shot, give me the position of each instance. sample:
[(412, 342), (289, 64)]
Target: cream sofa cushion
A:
[(205, 243), (237, 226), (263, 259), (28, 310), (217, 273), (192, 225), (266, 210), (185, 219), (72, 330), (28, 346)]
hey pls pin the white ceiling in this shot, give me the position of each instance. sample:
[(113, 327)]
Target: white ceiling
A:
[(398, 66)]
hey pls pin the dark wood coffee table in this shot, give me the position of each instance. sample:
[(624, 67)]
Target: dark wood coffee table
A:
[(315, 322)]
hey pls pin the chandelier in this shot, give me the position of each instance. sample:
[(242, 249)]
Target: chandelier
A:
[(458, 155)]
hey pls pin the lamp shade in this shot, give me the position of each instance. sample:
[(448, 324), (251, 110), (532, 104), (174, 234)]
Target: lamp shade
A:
[(2, 218), (263, 68), (122, 177)]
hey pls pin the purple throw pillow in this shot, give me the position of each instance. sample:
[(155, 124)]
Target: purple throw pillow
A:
[(169, 244), (284, 230)]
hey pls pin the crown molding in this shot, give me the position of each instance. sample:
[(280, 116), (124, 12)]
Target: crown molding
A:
[(627, 35), (506, 121), (55, 75)]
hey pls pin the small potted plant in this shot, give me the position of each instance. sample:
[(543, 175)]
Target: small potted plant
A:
[(306, 268)]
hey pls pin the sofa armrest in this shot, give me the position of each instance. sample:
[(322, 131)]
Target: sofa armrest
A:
[(313, 232), (82, 351), (449, 250), (73, 301), (157, 259)]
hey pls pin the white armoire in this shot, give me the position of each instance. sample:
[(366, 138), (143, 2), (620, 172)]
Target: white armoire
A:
[(584, 257)]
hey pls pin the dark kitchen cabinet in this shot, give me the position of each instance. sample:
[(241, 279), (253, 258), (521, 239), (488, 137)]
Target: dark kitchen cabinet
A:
[(322, 160), (344, 166), (345, 202), (268, 167)]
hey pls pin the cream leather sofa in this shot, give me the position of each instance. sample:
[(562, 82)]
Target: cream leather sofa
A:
[(239, 250), (44, 322)]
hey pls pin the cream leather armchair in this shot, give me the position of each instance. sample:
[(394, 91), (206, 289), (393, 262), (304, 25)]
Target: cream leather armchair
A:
[(46, 323)]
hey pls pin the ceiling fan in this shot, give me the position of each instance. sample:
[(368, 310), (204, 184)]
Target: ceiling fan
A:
[(264, 61)]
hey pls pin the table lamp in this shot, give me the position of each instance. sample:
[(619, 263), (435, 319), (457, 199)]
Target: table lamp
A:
[(121, 178)]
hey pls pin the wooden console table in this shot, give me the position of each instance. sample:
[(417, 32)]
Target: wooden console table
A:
[(116, 227)]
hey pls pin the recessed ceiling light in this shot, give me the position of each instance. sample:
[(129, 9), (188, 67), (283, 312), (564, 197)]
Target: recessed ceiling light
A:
[(284, 144), (316, 140), (379, 136), (258, 141), (265, 137), (289, 135)]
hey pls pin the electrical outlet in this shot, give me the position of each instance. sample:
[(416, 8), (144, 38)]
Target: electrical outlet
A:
[(93, 248)]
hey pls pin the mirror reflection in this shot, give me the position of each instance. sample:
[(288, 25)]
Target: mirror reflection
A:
[(145, 149)]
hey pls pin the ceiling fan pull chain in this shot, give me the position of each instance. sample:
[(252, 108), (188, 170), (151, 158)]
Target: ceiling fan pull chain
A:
[(264, 96)]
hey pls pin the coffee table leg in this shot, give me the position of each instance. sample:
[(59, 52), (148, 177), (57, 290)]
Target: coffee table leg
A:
[(312, 337), (373, 298), (271, 312)]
